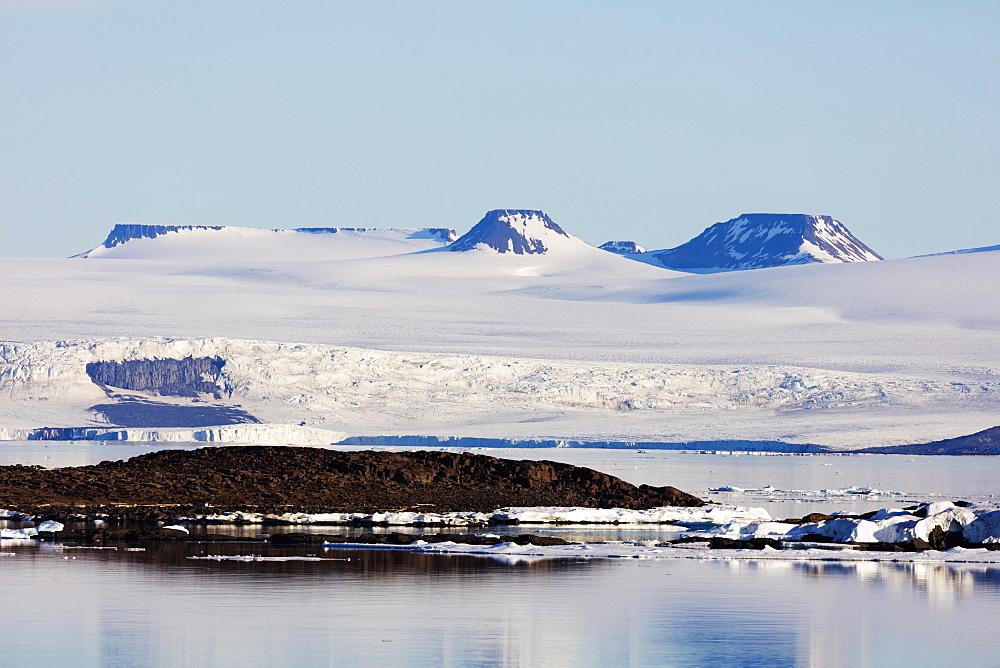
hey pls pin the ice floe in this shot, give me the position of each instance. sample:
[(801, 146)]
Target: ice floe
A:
[(770, 490), (709, 514), (27, 533)]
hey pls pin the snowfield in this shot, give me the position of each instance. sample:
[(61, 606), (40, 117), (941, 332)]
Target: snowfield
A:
[(573, 343)]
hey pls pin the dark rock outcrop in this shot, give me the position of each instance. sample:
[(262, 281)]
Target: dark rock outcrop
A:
[(722, 543), (279, 479), (186, 377)]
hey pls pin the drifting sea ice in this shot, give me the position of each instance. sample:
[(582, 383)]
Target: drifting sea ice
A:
[(711, 514)]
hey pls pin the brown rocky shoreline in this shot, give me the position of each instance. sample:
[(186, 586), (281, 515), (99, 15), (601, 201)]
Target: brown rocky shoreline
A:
[(280, 479)]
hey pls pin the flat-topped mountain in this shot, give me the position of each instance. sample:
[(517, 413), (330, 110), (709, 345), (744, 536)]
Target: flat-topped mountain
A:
[(517, 231), (759, 240), (239, 243)]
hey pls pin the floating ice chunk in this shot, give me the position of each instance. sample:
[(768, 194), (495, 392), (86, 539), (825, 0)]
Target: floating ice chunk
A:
[(50, 526), (18, 534), (177, 527)]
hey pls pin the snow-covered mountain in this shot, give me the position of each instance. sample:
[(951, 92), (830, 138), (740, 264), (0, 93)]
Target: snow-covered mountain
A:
[(244, 243), (759, 240), (622, 247), (517, 231)]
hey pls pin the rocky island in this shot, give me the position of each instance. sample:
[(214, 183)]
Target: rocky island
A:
[(282, 479)]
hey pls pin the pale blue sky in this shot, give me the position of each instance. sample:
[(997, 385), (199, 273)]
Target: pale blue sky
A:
[(646, 121)]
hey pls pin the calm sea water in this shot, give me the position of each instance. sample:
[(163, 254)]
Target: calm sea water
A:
[(112, 607), (102, 608)]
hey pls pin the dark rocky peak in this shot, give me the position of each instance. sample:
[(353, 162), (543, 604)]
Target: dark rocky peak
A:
[(622, 247), (759, 240), (517, 231), (122, 233)]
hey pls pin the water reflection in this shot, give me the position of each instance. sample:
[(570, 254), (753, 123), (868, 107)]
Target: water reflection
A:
[(938, 582), (113, 607)]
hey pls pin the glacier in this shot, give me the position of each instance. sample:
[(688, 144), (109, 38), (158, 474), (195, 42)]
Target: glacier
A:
[(322, 394)]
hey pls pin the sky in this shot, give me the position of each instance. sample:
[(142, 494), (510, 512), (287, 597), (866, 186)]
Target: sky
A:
[(643, 121)]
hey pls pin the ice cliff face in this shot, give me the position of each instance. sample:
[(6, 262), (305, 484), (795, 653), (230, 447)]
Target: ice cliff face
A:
[(759, 240), (517, 231), (622, 247)]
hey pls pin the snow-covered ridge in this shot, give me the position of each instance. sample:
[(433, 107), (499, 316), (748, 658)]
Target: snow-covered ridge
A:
[(220, 242), (517, 231), (759, 240)]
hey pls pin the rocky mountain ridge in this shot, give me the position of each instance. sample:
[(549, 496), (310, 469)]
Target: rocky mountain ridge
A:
[(762, 240)]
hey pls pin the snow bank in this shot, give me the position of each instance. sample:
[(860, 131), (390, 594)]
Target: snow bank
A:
[(977, 524)]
